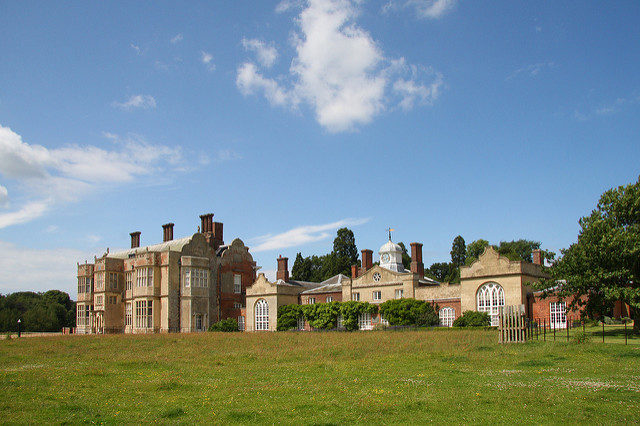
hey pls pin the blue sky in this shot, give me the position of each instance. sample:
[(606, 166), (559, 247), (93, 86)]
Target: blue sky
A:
[(495, 120)]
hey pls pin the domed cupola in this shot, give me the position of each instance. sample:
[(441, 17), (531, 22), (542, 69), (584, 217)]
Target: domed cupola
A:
[(391, 256)]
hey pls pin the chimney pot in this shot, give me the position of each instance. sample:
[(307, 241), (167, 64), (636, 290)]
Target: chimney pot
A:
[(135, 239), (167, 231), (283, 269), (354, 271), (417, 267), (538, 257), (367, 259)]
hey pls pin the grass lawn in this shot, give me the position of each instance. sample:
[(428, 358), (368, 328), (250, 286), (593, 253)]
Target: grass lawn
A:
[(438, 376)]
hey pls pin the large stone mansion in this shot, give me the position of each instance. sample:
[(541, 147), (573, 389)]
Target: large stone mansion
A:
[(187, 284)]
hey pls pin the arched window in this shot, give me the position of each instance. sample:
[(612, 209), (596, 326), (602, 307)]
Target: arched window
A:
[(262, 315), (490, 298), (447, 315)]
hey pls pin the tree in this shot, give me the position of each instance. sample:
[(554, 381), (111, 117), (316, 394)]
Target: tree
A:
[(458, 251), (518, 250), (345, 252), (604, 264), (301, 269), (406, 259), (439, 270), (475, 249)]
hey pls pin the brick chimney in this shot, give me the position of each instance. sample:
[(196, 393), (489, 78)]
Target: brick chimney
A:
[(367, 260), (167, 232), (218, 239), (283, 269), (538, 257), (417, 267), (354, 271), (135, 239), (206, 222)]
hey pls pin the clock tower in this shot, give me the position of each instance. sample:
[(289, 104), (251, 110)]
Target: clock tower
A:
[(391, 257)]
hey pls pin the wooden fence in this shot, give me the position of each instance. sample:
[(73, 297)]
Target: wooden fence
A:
[(512, 325)]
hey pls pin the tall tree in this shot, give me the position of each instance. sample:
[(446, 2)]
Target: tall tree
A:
[(475, 249), (604, 264), (458, 251), (406, 259), (301, 268), (518, 250), (344, 254), (439, 271)]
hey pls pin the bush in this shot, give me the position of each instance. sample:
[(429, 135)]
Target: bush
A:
[(581, 337), (409, 312), (351, 310), (288, 317), (472, 319), (323, 316), (227, 325)]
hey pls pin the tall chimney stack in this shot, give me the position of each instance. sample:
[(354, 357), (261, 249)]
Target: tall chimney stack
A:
[(135, 239), (206, 221), (283, 269), (538, 257), (167, 231), (218, 239), (367, 260), (417, 267), (354, 271)]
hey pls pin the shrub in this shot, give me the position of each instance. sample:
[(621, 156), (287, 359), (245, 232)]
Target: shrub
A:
[(323, 316), (581, 337), (288, 317), (472, 319), (351, 310), (409, 312), (228, 325)]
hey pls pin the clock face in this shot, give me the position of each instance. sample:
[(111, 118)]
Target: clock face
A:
[(385, 257), (376, 277)]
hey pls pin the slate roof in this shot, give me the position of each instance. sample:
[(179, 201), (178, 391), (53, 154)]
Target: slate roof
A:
[(173, 245)]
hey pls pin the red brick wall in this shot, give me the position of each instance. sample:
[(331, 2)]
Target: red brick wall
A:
[(540, 309), (321, 297), (227, 299)]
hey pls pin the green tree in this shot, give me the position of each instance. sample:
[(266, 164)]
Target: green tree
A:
[(475, 249), (439, 271), (406, 258), (301, 269), (604, 264), (518, 250), (458, 251), (344, 254)]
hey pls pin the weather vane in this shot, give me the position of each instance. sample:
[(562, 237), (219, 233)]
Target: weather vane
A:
[(390, 229)]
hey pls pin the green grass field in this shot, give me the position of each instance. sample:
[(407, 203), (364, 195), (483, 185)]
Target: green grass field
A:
[(317, 378)]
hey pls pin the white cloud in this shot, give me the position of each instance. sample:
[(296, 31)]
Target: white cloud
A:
[(266, 54), (431, 9), (177, 39), (608, 108), (136, 48), (49, 177), (207, 59), (286, 5), (137, 101), (338, 70), (300, 235), (47, 269), (424, 9), (531, 70), (4, 196), (227, 155)]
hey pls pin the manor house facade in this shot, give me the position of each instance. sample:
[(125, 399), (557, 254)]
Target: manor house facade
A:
[(491, 282), (180, 285)]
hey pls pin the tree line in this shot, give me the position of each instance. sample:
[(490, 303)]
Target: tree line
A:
[(49, 311)]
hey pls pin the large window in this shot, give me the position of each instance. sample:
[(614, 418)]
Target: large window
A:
[(364, 321), (447, 315), (144, 314), (128, 314), (199, 322), (81, 285), (490, 298), (399, 293), (113, 281), (128, 278), (144, 277), (558, 312), (241, 323), (99, 302), (262, 315), (340, 322), (300, 323), (195, 277), (377, 295), (100, 281), (237, 283), (355, 296)]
